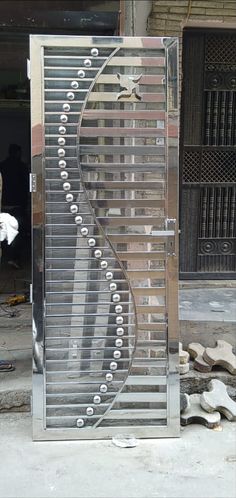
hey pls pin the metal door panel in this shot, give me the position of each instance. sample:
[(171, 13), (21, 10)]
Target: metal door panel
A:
[(105, 310)]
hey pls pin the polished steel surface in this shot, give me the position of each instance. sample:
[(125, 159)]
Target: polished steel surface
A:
[(105, 294)]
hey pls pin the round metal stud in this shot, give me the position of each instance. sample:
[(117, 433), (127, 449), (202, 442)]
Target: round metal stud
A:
[(119, 343), (62, 130), (103, 388), (80, 422), (74, 85), (94, 52), (97, 399), (66, 186), (109, 377), (113, 366), (91, 242), (104, 264), (62, 163), (120, 331), (70, 95), (61, 152), (78, 220), (64, 118), (118, 308), (69, 197), (74, 209), (113, 286), (109, 275), (90, 411), (119, 320), (66, 107), (84, 231), (64, 175), (87, 63), (98, 253), (116, 298), (81, 73), (117, 355), (61, 141)]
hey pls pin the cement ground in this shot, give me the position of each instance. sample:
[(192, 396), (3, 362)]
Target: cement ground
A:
[(200, 464)]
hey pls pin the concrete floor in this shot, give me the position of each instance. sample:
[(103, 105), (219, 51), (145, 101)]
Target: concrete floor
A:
[(201, 464)]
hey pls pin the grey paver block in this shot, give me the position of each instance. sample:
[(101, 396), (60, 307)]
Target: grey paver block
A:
[(183, 368), (221, 355), (218, 399), (196, 351), (183, 355), (184, 402), (195, 414)]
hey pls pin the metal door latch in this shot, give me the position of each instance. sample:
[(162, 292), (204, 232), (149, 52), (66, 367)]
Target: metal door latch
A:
[(169, 233)]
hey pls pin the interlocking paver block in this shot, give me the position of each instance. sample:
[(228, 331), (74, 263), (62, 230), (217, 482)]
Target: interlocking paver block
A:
[(183, 369), (218, 399), (196, 415), (196, 351), (184, 402), (221, 355), (183, 355)]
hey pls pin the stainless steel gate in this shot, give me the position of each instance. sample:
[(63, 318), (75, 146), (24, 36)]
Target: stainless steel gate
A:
[(104, 182)]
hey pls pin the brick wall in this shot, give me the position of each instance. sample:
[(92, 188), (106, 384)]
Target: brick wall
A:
[(169, 17)]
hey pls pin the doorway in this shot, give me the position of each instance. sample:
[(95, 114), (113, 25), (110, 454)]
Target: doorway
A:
[(208, 156)]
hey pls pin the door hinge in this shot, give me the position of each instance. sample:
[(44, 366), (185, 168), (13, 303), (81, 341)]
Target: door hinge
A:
[(33, 182), (28, 70)]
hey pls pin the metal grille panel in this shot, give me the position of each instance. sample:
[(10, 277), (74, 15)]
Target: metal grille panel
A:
[(108, 242)]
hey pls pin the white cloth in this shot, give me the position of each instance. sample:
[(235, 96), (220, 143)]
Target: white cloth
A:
[(8, 227)]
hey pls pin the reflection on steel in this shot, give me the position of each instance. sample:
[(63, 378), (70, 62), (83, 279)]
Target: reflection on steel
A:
[(106, 308)]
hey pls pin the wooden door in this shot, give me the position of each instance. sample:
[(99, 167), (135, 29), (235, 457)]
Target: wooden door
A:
[(208, 155)]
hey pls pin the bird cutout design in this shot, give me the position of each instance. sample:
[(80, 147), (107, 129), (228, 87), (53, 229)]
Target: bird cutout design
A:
[(130, 85)]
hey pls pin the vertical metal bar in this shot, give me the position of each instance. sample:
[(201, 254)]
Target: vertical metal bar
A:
[(218, 211), (215, 122), (232, 212), (211, 212), (229, 118), (222, 118), (208, 118), (225, 212)]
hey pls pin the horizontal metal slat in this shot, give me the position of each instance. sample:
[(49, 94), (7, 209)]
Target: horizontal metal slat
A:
[(112, 97), (136, 61), (115, 185), (137, 150), (141, 255), (142, 397), (96, 131), (138, 414)]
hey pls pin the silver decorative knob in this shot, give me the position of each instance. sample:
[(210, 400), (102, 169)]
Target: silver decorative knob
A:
[(80, 422), (103, 388), (97, 399), (94, 52), (119, 343), (109, 275), (113, 366), (98, 253), (87, 63), (74, 85), (78, 220), (74, 209), (113, 286), (119, 320), (116, 298), (61, 152), (118, 308), (109, 377), (90, 411), (120, 331), (69, 197), (66, 186), (64, 175), (91, 242), (62, 130), (70, 95), (61, 141), (116, 355), (81, 73), (62, 163), (84, 231), (104, 265), (66, 107), (64, 118)]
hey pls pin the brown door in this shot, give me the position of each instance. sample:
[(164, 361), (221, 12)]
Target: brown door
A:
[(208, 155)]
